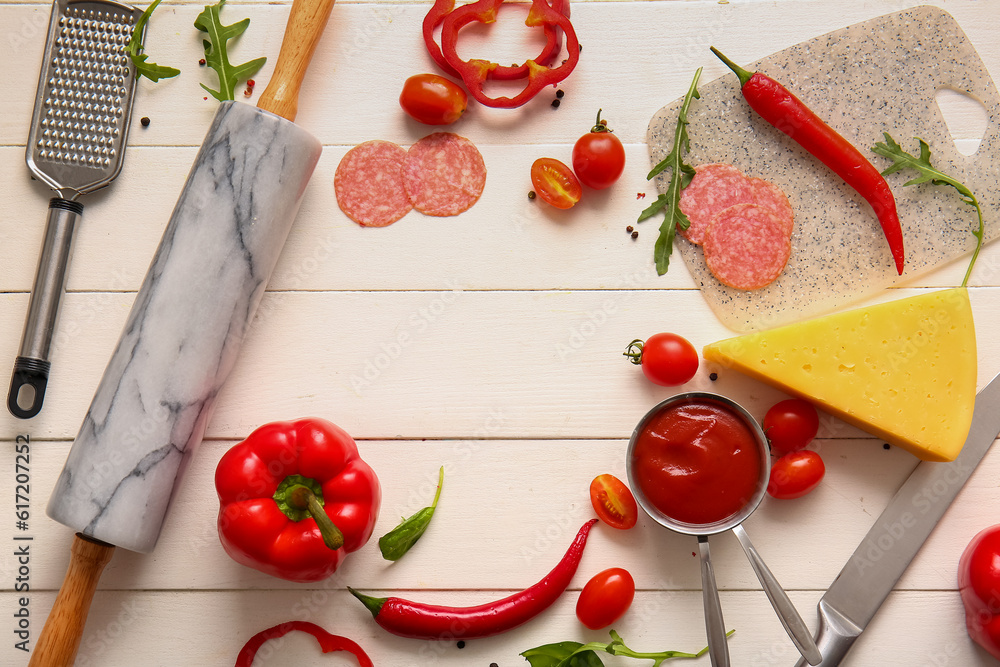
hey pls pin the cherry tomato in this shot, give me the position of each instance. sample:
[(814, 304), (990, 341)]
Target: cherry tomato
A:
[(791, 425), (433, 99), (667, 359), (598, 157), (795, 474), (555, 182), (613, 502), (605, 598)]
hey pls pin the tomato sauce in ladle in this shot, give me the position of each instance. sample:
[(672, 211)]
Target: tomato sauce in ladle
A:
[(698, 464)]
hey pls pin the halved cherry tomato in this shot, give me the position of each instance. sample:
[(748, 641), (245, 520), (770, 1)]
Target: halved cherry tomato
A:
[(598, 157), (613, 502), (605, 598), (791, 425), (667, 359), (433, 99), (555, 182), (795, 474)]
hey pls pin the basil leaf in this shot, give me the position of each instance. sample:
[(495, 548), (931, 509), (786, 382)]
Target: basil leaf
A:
[(400, 539), (562, 654)]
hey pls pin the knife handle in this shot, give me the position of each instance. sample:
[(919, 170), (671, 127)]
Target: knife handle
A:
[(60, 638), (306, 22), (836, 636)]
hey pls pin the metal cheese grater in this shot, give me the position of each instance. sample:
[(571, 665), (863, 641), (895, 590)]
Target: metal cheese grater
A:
[(76, 143)]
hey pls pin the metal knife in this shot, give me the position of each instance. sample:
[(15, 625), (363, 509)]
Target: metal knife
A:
[(886, 551)]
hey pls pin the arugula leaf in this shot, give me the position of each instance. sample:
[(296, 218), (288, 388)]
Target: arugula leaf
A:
[(681, 175), (929, 174), (398, 541), (216, 51), (575, 654), (134, 49)]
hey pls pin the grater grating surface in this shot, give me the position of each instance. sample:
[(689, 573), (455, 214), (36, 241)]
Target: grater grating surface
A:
[(84, 101)]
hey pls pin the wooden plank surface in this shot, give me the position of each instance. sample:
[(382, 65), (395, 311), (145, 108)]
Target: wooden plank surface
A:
[(489, 343)]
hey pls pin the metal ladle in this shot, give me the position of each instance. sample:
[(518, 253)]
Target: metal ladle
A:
[(714, 624)]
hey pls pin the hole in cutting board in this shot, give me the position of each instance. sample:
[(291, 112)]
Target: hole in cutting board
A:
[(965, 117)]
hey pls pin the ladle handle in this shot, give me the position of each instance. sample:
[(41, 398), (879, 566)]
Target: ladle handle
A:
[(787, 614), (718, 649)]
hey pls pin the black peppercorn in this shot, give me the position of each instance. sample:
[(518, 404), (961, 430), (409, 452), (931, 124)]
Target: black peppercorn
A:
[(145, 121), (555, 104), (713, 376)]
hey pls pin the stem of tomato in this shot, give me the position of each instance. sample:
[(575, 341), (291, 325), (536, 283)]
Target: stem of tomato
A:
[(600, 126), (634, 351)]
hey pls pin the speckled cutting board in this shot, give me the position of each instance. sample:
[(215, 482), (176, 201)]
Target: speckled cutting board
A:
[(881, 75)]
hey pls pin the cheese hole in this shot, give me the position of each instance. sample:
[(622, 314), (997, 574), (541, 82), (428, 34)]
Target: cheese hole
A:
[(965, 117)]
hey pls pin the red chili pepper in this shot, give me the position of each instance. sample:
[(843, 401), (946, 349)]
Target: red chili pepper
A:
[(296, 498), (979, 585), (424, 621), (327, 642), (788, 114), (442, 8), (475, 72)]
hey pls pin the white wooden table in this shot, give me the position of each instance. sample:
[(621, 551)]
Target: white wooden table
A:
[(515, 317)]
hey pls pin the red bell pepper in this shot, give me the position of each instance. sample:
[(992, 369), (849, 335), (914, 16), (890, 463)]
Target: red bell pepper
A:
[(475, 72), (979, 585), (296, 498), (328, 643)]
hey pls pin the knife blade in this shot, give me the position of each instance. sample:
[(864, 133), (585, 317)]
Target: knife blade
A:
[(897, 535)]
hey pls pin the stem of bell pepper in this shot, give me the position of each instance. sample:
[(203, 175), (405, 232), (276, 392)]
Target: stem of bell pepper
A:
[(302, 497)]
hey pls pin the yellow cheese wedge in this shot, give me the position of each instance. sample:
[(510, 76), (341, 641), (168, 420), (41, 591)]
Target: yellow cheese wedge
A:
[(904, 371)]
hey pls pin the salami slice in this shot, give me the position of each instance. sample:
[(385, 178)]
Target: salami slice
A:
[(770, 196), (444, 174), (369, 184), (714, 188), (746, 247)]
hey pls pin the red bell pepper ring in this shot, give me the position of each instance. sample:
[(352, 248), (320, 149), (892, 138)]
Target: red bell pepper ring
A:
[(328, 643), (442, 8), (475, 72), (295, 499), (417, 620), (788, 114), (979, 586)]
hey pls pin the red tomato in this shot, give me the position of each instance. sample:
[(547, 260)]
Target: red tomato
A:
[(555, 182), (598, 157), (605, 598), (613, 502), (791, 425), (795, 474), (667, 359), (433, 99)]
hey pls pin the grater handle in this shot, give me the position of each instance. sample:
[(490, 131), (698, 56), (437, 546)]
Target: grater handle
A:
[(31, 368), (305, 26)]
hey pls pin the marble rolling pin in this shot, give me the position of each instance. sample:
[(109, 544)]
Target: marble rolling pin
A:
[(184, 331)]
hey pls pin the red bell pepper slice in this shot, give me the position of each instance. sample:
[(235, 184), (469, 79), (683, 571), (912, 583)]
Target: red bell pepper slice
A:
[(440, 10), (475, 72), (327, 642), (295, 498)]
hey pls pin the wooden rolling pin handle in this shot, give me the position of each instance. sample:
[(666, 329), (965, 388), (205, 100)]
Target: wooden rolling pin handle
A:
[(60, 638), (306, 22)]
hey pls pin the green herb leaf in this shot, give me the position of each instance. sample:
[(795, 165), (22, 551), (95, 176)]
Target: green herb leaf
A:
[(151, 71), (563, 654), (217, 54), (929, 174), (400, 539), (568, 654), (681, 174)]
